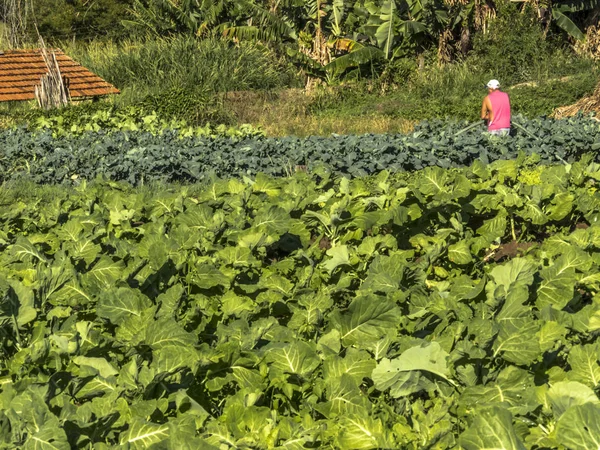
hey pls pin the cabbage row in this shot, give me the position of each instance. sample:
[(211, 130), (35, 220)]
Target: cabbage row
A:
[(139, 157), (443, 308)]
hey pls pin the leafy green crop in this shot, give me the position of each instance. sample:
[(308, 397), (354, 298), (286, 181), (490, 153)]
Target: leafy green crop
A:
[(395, 311), (131, 119), (141, 157)]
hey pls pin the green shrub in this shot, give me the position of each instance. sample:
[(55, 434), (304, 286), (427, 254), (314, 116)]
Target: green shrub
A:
[(512, 47), (398, 72), (81, 19)]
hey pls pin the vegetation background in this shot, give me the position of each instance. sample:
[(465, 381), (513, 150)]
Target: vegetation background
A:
[(315, 66)]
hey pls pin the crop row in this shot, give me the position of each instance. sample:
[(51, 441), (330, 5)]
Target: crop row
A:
[(139, 157), (442, 308)]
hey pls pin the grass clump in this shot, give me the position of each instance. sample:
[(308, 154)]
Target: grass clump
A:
[(152, 65)]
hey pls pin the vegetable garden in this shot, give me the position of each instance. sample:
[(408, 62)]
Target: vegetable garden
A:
[(169, 285), (187, 155), (435, 308)]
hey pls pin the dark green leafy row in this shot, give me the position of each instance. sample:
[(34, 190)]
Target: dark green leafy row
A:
[(394, 312), (141, 157)]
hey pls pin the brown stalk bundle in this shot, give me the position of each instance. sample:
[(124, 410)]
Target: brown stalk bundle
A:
[(586, 105), (53, 91), (589, 47)]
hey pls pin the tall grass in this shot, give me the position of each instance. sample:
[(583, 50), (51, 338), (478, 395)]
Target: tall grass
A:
[(150, 66)]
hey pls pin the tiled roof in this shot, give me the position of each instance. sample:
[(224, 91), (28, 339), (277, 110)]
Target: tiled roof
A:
[(21, 70)]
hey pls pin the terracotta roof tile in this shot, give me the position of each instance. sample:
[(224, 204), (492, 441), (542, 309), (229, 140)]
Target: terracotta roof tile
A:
[(21, 70)]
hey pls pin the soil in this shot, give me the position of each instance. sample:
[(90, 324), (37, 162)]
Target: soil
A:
[(511, 250), (325, 244)]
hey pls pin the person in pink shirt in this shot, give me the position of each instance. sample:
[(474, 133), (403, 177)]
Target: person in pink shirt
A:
[(496, 109)]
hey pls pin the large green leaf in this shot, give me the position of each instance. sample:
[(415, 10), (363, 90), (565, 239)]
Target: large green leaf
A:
[(513, 389), (433, 181), (579, 427), (585, 368), (339, 257), (118, 304), (561, 207), (50, 436), (101, 365), (492, 428), (517, 341), (171, 358), (343, 398), (551, 333), (141, 434), (23, 250), (559, 280), (385, 273), (104, 274), (386, 32), (360, 432), (310, 310), (513, 278), (494, 228), (167, 332), (356, 58), (357, 363), (564, 394), (460, 253), (273, 220), (206, 276), (295, 358), (19, 301), (368, 319), (405, 374), (567, 24)]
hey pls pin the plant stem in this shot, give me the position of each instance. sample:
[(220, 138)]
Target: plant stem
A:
[(512, 228)]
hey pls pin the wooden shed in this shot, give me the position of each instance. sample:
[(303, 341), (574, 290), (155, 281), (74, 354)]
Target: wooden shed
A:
[(21, 71)]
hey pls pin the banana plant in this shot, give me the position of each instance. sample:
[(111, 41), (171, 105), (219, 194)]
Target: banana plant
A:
[(395, 25), (561, 9), (242, 19), (166, 16)]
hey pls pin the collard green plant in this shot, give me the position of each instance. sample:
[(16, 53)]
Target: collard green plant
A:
[(140, 157), (130, 119), (315, 311)]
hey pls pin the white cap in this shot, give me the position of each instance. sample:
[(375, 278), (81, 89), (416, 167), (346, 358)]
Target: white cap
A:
[(493, 84)]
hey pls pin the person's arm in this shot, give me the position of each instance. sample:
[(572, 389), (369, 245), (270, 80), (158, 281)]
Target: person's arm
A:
[(486, 110)]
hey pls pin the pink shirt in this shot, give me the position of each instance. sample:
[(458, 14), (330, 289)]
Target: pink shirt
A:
[(501, 110)]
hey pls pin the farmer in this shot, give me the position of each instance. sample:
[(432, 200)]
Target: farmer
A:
[(496, 109)]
